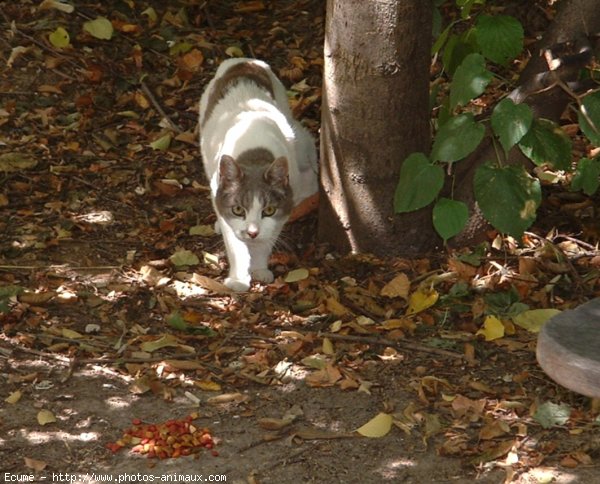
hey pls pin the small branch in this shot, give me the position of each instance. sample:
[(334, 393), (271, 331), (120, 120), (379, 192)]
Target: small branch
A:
[(158, 107), (72, 268), (403, 345)]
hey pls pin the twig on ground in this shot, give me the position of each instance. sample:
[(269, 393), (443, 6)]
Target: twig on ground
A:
[(403, 345), (158, 107)]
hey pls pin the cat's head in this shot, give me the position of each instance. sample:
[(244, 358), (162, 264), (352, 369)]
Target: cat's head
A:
[(254, 195)]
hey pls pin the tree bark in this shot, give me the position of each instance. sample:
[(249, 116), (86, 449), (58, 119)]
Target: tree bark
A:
[(375, 113)]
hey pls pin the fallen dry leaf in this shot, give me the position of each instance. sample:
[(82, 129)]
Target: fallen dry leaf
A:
[(378, 426)]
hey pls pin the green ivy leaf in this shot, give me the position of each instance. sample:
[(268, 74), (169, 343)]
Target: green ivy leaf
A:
[(100, 28), (591, 107), (470, 80), (419, 184), (466, 6), (550, 414), (511, 122), (545, 142), (457, 138), (457, 48), (449, 217), (508, 197), (500, 37), (587, 176)]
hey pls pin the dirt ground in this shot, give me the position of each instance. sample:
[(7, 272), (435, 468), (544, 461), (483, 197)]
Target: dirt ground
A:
[(95, 222)]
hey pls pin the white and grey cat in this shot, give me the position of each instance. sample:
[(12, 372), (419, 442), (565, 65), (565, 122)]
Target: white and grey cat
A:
[(260, 161)]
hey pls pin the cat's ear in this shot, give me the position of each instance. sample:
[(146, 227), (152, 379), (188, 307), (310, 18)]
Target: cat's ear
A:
[(277, 173), (229, 170)]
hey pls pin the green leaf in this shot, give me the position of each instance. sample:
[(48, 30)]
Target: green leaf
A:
[(534, 319), (511, 122), (180, 48), (457, 138), (162, 143), (504, 304), (545, 142), (441, 40), (508, 197), (449, 217), (466, 6), (100, 28), (550, 414), (457, 48), (500, 37), (59, 38), (15, 161), (587, 176), (176, 321), (419, 184), (470, 80), (202, 230), (589, 117), (184, 257)]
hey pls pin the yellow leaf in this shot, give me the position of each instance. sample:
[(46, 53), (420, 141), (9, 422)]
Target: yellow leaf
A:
[(151, 14), (100, 27), (234, 51), (336, 308), (14, 397), (50, 4), (328, 347), (166, 340), (207, 385), (335, 326), (534, 319), (378, 426), (402, 323), (399, 286), (202, 230), (59, 38), (69, 333), (296, 275), (45, 417), (421, 300), (492, 328)]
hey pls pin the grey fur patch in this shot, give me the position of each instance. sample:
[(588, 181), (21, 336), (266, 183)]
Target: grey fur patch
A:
[(255, 174), (238, 72)]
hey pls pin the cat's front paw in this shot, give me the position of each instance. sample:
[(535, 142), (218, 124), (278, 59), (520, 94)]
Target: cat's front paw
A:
[(237, 285), (262, 275)]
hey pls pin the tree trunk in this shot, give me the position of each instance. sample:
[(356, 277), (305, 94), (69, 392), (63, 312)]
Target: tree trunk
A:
[(375, 113)]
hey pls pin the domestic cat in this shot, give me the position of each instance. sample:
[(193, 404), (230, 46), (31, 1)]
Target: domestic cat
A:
[(260, 161)]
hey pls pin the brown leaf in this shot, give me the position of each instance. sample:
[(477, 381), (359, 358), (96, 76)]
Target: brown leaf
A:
[(35, 464), (326, 377), (273, 423), (192, 60)]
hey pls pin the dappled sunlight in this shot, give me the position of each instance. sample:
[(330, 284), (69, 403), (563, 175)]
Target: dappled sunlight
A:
[(38, 437), (394, 468)]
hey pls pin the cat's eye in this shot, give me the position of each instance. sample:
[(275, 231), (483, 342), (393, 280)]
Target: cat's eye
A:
[(269, 211), (238, 211)]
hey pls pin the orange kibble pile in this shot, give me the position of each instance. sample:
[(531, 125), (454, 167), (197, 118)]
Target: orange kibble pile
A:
[(170, 439)]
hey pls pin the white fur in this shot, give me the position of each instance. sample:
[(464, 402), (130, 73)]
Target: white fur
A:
[(246, 118)]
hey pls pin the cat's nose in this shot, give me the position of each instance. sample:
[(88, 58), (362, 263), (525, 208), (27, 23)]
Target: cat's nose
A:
[(252, 232)]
